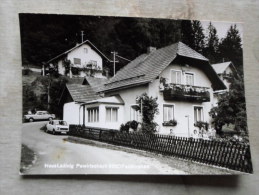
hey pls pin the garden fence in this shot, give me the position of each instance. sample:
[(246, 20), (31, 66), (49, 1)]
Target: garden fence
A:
[(232, 155)]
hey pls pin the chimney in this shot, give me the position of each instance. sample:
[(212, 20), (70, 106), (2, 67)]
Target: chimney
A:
[(151, 49)]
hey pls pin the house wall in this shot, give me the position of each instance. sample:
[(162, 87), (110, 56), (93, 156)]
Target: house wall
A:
[(102, 116), (183, 111), (129, 97), (71, 113), (61, 68), (85, 59), (225, 81), (227, 71)]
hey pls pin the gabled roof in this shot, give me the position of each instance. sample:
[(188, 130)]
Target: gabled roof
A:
[(78, 45), (84, 89), (147, 67), (81, 93), (221, 67), (116, 99), (96, 83)]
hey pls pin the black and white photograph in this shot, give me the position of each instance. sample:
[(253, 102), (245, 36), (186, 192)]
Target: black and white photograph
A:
[(132, 96)]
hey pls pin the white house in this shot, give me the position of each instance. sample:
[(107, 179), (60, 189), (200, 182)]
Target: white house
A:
[(85, 59), (181, 79), (79, 90), (223, 70)]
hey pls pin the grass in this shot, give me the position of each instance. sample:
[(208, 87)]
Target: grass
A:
[(28, 79)]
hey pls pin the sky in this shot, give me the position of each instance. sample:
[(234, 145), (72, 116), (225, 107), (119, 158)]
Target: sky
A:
[(222, 27)]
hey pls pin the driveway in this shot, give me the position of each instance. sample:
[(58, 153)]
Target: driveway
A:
[(54, 155)]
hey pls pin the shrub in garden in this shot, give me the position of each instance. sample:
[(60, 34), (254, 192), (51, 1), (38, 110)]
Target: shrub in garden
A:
[(149, 107), (134, 125), (125, 128)]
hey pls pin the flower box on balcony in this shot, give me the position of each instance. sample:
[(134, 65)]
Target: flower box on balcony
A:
[(186, 93), (170, 123)]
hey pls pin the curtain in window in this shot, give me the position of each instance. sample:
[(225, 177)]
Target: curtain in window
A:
[(198, 114), (168, 112), (176, 77)]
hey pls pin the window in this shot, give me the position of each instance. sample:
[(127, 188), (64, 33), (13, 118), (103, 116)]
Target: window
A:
[(198, 113), (85, 50), (111, 114), (93, 115), (189, 79), (134, 113), (168, 112), (77, 61), (176, 76)]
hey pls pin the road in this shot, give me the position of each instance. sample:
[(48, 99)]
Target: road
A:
[(54, 155)]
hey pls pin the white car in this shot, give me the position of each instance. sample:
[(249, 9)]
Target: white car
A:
[(39, 115), (57, 126)]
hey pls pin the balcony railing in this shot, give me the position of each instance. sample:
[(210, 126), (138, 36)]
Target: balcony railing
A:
[(185, 93)]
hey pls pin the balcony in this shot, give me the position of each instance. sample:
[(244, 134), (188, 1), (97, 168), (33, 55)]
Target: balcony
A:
[(185, 93)]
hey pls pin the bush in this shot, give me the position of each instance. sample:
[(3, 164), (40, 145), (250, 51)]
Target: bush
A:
[(134, 125), (149, 127), (124, 128), (130, 124)]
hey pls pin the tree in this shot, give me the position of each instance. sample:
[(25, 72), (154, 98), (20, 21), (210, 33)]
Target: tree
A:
[(192, 35), (212, 44), (231, 48), (57, 86), (231, 108), (199, 37), (187, 33), (149, 108)]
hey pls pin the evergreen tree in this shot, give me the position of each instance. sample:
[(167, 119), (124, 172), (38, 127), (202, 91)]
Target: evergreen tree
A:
[(231, 108), (187, 33), (231, 48), (199, 37), (192, 35), (212, 44)]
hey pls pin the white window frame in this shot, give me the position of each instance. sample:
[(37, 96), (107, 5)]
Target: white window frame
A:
[(181, 79), (93, 114), (85, 50), (173, 111), (111, 114), (185, 80), (134, 113), (202, 114)]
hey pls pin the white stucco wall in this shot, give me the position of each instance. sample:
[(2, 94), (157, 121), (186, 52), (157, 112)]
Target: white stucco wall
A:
[(129, 97), (102, 116), (182, 109), (225, 81), (61, 68), (71, 113), (85, 59)]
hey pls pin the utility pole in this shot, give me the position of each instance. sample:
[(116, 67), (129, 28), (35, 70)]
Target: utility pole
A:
[(82, 36), (114, 61), (187, 116), (49, 83)]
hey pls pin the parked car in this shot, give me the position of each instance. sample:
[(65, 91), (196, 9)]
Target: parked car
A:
[(39, 115), (57, 126)]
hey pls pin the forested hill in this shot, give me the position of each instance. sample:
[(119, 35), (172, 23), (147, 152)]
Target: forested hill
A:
[(45, 36)]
